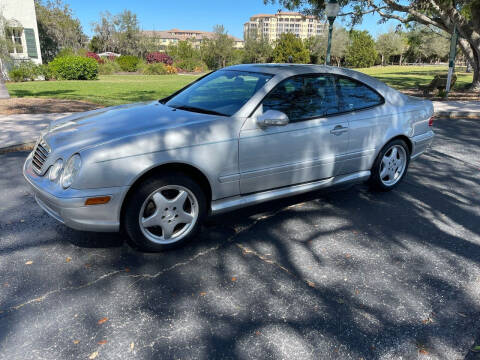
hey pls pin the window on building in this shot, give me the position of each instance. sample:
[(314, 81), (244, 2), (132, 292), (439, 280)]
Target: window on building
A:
[(14, 40)]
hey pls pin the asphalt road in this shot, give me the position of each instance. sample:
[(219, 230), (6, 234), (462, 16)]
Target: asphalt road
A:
[(343, 275)]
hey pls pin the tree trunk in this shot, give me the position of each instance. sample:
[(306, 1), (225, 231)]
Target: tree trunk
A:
[(472, 54), (382, 59)]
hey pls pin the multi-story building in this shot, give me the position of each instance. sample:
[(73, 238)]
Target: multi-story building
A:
[(20, 30), (167, 37), (271, 26)]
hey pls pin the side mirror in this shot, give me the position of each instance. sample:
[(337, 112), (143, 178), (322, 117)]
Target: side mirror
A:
[(272, 118)]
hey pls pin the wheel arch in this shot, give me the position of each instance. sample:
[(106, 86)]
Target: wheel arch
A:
[(397, 137), (186, 169)]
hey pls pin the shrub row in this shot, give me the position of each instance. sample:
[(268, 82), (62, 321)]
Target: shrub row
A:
[(157, 69), (68, 66), (28, 71)]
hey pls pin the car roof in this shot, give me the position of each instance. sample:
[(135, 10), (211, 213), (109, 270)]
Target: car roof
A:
[(287, 70)]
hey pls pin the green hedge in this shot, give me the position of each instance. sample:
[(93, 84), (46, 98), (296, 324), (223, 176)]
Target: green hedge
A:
[(154, 69), (73, 68), (108, 68), (128, 63), (190, 65)]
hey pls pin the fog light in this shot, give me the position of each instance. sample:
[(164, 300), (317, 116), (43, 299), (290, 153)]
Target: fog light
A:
[(97, 200)]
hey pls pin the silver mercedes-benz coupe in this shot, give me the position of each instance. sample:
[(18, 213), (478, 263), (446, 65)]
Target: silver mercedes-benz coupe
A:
[(237, 136)]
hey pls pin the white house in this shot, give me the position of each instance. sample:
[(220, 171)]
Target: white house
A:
[(21, 29)]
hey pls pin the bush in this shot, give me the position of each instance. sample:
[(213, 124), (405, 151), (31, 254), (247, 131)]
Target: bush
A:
[(44, 70), (108, 68), (94, 56), (73, 68), (171, 69), (191, 65), (154, 69), (24, 71), (128, 62), (159, 57)]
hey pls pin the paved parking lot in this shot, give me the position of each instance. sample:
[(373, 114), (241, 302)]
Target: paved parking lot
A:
[(343, 275)]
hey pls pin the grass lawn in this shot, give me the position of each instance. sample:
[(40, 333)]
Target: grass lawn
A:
[(120, 89), (108, 90), (406, 77)]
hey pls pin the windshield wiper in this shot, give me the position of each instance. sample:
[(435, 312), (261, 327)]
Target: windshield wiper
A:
[(199, 110)]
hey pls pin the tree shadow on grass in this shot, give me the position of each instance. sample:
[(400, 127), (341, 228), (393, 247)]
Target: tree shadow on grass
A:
[(46, 93)]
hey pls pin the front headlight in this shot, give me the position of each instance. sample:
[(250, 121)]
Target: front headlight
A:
[(71, 170), (55, 170)]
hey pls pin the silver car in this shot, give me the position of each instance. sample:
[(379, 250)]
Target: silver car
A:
[(235, 137)]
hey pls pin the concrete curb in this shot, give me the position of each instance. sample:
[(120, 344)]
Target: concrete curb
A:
[(21, 147), (458, 114)]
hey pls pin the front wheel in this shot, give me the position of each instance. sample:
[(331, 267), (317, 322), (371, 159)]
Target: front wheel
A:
[(390, 166), (164, 212)]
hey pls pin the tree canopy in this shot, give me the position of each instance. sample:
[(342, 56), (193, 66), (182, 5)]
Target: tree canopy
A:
[(361, 50), (444, 15), (390, 44), (118, 33), (218, 51), (289, 47), (57, 28)]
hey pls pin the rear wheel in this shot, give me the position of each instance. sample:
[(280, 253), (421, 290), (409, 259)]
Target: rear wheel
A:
[(390, 166), (164, 212)]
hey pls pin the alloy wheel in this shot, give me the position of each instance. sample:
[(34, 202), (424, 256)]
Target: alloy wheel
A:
[(168, 214), (393, 165)]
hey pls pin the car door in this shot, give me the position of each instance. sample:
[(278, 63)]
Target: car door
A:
[(368, 122), (308, 148)]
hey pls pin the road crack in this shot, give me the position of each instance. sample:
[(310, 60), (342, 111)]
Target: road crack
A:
[(246, 251), (139, 277)]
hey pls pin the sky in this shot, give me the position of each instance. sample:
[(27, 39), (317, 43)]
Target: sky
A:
[(193, 14)]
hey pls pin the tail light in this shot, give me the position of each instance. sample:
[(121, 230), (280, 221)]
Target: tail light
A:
[(430, 121)]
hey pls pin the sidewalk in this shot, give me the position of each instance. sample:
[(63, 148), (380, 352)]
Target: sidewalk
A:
[(457, 109), (23, 129)]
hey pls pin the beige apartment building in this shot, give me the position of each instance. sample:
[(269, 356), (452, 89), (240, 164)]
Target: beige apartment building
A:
[(168, 37), (271, 26)]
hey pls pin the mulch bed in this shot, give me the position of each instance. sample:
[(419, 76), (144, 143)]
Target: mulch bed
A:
[(452, 96), (40, 106)]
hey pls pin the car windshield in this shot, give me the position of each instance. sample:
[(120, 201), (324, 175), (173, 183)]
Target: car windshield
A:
[(222, 92)]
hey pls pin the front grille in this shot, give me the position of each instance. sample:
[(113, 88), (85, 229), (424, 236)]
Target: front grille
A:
[(40, 155)]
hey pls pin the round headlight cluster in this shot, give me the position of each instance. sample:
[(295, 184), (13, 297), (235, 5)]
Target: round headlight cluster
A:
[(71, 170), (56, 170)]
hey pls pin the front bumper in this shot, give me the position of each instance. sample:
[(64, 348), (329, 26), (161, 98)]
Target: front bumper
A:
[(68, 206), (421, 143)]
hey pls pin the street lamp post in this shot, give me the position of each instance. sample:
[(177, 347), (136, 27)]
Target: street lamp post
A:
[(331, 9)]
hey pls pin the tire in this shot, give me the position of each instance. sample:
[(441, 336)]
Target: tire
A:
[(390, 166), (164, 212)]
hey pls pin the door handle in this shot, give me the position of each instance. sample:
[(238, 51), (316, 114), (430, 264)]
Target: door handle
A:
[(339, 130)]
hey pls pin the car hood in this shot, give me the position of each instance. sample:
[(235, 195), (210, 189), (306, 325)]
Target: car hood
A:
[(99, 126)]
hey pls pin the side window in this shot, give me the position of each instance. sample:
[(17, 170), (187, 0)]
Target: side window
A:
[(304, 97), (353, 95)]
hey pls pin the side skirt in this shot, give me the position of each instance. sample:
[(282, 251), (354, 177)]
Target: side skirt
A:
[(236, 202)]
